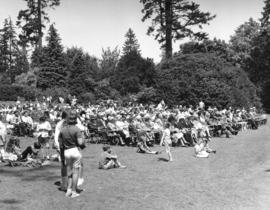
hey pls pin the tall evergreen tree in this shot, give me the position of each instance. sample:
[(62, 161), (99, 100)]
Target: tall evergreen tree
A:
[(108, 62), (174, 20), (81, 69), (265, 14), (32, 20), (12, 60), (4, 48), (131, 44), (52, 66)]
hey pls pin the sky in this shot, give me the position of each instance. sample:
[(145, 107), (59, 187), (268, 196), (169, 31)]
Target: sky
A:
[(97, 24)]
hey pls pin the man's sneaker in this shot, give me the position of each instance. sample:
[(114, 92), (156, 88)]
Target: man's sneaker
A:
[(69, 192), (80, 181), (122, 167), (74, 195)]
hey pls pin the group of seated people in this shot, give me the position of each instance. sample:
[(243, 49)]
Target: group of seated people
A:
[(130, 124)]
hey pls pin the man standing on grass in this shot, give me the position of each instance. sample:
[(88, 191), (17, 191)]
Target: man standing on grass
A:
[(58, 128), (71, 140), (59, 149)]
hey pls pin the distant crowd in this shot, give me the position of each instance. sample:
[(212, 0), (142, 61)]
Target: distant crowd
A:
[(132, 124), (67, 126)]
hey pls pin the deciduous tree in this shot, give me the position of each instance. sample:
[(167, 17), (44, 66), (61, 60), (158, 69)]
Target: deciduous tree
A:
[(242, 42)]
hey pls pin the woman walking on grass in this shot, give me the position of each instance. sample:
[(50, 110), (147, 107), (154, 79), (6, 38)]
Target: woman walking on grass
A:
[(166, 140)]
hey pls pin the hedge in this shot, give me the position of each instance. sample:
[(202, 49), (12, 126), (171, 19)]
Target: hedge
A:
[(12, 92)]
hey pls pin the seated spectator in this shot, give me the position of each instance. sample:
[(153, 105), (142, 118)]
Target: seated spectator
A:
[(200, 149), (143, 147), (44, 131), (114, 130), (27, 124), (108, 160), (178, 137), (32, 151)]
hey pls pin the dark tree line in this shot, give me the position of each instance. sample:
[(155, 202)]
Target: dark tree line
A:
[(219, 73)]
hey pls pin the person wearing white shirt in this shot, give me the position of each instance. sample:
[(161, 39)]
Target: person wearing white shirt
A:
[(27, 119), (3, 134), (58, 128), (44, 132)]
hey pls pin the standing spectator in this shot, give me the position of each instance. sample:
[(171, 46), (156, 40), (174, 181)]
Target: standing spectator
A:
[(59, 149), (3, 133), (166, 140), (71, 140)]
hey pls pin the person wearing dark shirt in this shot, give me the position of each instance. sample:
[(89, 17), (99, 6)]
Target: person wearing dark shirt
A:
[(70, 139)]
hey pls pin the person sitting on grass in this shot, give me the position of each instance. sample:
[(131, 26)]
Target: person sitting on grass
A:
[(109, 160), (142, 146), (200, 149), (31, 151)]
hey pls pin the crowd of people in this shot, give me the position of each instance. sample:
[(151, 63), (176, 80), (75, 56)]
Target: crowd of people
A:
[(110, 122)]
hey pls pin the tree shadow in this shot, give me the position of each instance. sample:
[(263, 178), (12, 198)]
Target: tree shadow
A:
[(11, 201), (31, 174), (163, 159)]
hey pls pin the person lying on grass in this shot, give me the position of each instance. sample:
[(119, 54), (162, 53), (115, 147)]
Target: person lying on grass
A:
[(109, 160)]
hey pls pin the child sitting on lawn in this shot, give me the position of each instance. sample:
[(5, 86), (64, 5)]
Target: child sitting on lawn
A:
[(202, 148), (108, 160)]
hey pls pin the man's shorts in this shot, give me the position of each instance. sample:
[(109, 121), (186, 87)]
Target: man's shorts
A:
[(73, 159)]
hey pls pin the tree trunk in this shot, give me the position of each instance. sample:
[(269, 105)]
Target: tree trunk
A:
[(10, 59), (168, 27), (39, 25)]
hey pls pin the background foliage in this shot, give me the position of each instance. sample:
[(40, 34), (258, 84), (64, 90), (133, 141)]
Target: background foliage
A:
[(234, 73)]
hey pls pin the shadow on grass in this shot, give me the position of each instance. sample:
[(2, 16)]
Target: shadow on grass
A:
[(267, 170), (58, 183), (11, 201), (163, 159), (31, 174)]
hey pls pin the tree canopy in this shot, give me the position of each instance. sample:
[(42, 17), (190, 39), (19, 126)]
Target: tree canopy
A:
[(188, 79), (174, 20), (52, 71), (31, 20)]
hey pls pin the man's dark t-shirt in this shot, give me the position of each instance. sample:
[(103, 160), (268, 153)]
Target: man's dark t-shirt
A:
[(68, 137)]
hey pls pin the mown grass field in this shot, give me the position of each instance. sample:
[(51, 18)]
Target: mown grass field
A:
[(237, 177)]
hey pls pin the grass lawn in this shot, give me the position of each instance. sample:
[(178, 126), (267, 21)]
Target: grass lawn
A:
[(235, 178)]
